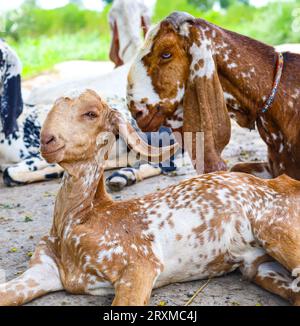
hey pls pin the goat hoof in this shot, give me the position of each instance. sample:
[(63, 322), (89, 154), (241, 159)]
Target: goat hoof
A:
[(9, 181), (119, 180), (116, 183)]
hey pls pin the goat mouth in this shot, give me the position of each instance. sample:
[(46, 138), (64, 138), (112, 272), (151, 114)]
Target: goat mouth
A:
[(50, 153)]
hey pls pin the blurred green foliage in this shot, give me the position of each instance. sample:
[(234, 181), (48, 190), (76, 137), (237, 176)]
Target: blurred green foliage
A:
[(31, 21), (208, 4), (43, 38)]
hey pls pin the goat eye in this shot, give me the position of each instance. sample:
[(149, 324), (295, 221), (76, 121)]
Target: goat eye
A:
[(91, 115), (166, 55)]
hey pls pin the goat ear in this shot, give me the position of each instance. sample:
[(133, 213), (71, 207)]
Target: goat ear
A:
[(11, 104), (205, 111), (115, 46), (145, 24)]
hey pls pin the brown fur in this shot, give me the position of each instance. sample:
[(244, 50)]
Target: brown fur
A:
[(115, 46)]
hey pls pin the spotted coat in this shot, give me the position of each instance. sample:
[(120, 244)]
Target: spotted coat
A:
[(203, 227)]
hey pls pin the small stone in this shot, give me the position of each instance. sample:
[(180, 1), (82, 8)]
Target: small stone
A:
[(190, 294)]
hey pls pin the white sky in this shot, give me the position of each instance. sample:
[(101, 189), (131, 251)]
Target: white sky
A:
[(50, 4), (90, 4)]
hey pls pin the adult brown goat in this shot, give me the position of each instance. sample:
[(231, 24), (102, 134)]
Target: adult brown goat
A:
[(192, 76)]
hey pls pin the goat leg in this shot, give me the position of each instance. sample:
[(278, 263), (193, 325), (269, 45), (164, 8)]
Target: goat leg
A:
[(128, 176), (29, 171), (276, 279), (135, 285), (41, 278), (259, 169)]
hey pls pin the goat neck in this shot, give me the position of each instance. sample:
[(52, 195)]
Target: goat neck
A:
[(83, 183), (246, 69)]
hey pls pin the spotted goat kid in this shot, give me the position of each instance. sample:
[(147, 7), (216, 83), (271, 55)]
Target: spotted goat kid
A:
[(203, 227)]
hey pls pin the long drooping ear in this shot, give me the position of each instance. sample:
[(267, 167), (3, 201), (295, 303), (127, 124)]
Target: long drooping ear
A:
[(137, 143), (11, 103), (115, 45), (205, 111), (145, 24), (204, 104)]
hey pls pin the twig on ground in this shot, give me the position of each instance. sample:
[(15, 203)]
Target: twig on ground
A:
[(197, 292)]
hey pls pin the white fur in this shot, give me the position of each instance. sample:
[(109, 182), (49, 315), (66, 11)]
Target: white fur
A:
[(202, 52), (11, 57), (127, 14), (142, 86)]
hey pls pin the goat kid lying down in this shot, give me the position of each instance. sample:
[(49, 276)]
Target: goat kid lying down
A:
[(203, 227), (21, 162)]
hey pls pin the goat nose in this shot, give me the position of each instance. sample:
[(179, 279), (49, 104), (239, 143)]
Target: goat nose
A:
[(48, 139)]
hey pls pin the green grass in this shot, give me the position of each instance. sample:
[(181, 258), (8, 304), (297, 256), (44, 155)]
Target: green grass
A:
[(42, 53), (43, 38)]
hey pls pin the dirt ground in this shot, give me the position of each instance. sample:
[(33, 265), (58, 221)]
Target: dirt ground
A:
[(26, 215)]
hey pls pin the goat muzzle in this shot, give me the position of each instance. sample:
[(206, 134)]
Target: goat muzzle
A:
[(50, 147)]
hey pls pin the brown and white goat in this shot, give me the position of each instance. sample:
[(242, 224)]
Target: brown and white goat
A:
[(126, 19), (203, 227), (192, 75)]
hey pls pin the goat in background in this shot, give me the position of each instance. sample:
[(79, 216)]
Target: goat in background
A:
[(127, 18)]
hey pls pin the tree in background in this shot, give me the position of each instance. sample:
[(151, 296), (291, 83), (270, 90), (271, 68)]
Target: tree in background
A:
[(208, 4), (43, 38), (228, 3), (76, 2)]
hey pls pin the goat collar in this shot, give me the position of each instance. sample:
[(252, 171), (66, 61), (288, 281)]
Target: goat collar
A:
[(279, 68)]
